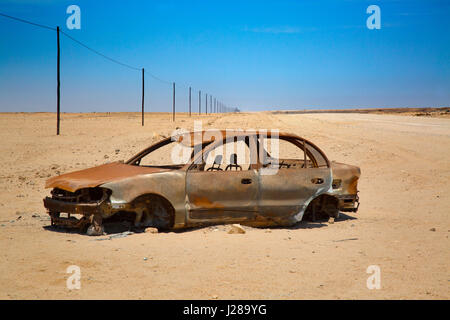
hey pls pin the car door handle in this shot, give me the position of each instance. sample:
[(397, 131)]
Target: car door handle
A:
[(246, 181), (317, 180)]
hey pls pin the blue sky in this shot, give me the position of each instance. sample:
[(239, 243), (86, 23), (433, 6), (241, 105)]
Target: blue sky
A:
[(255, 55)]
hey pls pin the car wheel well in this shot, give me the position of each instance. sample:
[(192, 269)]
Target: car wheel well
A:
[(154, 210), (323, 206)]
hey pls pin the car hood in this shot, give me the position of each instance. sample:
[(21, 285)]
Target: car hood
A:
[(96, 176)]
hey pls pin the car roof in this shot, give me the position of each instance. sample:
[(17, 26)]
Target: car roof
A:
[(206, 136)]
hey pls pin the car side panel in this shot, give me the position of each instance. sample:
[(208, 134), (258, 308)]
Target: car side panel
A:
[(285, 195), (170, 185), (222, 196)]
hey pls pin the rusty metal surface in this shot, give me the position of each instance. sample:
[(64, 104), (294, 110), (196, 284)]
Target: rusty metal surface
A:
[(95, 176), (220, 196), (169, 185), (77, 208), (198, 197), (348, 174), (284, 196)]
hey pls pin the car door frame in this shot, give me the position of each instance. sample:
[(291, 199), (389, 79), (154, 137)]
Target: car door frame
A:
[(285, 200), (211, 209)]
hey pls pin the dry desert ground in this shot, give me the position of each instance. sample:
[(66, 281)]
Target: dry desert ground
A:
[(402, 226)]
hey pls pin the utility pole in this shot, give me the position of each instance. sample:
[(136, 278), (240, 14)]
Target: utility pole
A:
[(199, 102), (173, 103), (189, 101), (58, 96), (142, 96)]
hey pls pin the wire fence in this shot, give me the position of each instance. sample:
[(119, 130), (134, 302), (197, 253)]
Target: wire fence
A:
[(198, 101)]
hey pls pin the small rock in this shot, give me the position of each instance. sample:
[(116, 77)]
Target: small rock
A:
[(268, 231), (331, 220), (106, 156), (151, 230), (35, 215), (117, 151), (235, 229), (215, 297), (433, 229), (145, 259), (19, 217)]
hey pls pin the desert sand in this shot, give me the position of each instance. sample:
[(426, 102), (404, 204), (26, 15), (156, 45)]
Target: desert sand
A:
[(402, 226)]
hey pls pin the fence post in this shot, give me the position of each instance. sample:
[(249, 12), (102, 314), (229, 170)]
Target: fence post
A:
[(142, 96), (58, 84), (173, 103), (189, 101)]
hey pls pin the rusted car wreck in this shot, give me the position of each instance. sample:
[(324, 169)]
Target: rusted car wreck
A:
[(257, 178)]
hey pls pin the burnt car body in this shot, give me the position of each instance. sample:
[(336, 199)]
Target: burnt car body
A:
[(257, 185)]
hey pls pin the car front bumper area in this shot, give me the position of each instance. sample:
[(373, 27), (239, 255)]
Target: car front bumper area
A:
[(87, 210)]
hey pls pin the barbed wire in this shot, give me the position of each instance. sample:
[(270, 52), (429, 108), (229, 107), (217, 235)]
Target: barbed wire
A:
[(157, 78), (26, 21), (101, 54)]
